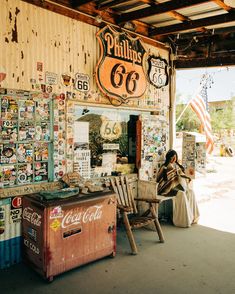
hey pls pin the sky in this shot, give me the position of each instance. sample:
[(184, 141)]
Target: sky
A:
[(222, 88)]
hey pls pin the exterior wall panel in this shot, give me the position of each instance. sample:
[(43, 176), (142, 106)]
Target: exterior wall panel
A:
[(10, 233), (32, 36)]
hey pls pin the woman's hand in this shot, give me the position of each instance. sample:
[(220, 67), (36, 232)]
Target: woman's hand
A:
[(186, 177)]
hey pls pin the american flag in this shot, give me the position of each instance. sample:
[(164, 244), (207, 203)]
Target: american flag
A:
[(200, 107)]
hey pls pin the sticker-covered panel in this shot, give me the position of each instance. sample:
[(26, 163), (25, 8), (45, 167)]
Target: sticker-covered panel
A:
[(33, 234), (25, 137), (10, 231), (153, 143)]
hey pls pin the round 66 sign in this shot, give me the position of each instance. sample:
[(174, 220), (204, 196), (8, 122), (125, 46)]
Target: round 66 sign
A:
[(119, 72)]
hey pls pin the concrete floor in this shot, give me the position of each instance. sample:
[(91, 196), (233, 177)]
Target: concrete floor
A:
[(200, 259), (195, 260)]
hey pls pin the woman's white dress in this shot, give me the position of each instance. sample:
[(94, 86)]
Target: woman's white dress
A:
[(185, 208)]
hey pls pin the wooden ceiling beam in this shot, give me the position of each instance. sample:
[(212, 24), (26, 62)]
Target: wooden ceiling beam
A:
[(78, 3), (183, 18), (209, 33), (150, 2), (85, 13), (220, 19), (109, 4), (158, 9), (174, 14), (225, 60), (221, 4)]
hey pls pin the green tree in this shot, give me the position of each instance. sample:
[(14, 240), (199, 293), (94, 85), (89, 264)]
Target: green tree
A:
[(221, 119), (189, 120)]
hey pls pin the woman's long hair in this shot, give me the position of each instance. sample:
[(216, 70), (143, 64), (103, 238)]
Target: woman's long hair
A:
[(169, 155)]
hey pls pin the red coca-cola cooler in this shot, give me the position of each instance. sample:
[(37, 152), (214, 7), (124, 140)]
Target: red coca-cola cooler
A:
[(59, 235)]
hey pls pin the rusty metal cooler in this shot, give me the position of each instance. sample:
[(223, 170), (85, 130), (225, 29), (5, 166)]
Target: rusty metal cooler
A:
[(62, 234)]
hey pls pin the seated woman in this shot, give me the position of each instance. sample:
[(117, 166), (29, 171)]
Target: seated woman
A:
[(172, 181)]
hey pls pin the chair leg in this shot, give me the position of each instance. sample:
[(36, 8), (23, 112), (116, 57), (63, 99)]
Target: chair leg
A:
[(156, 222), (130, 234)]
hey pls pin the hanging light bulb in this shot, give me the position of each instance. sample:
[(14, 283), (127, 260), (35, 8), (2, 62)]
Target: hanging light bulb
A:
[(98, 18), (130, 26)]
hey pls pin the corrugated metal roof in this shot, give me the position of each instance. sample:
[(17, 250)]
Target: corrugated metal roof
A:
[(160, 20), (199, 9), (129, 6)]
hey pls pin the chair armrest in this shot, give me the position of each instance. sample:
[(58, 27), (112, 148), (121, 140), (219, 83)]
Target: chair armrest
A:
[(148, 200), (164, 198), (124, 208), (158, 199)]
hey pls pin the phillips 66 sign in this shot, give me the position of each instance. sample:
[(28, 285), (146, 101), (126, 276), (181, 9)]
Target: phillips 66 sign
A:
[(119, 72)]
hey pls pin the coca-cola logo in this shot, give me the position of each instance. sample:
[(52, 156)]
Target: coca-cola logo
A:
[(31, 216), (75, 217)]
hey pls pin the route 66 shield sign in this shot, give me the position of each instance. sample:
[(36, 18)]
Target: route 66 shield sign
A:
[(119, 72), (157, 72), (82, 83)]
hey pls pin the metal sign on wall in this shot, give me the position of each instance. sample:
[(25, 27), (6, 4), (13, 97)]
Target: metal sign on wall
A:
[(119, 72), (157, 72)]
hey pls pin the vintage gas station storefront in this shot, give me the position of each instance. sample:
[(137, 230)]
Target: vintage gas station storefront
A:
[(75, 98)]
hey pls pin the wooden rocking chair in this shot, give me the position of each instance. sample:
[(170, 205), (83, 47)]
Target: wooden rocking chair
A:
[(128, 210)]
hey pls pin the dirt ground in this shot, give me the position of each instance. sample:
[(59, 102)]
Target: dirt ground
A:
[(215, 193)]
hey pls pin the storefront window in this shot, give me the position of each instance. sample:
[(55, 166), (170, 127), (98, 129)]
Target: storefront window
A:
[(106, 140)]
